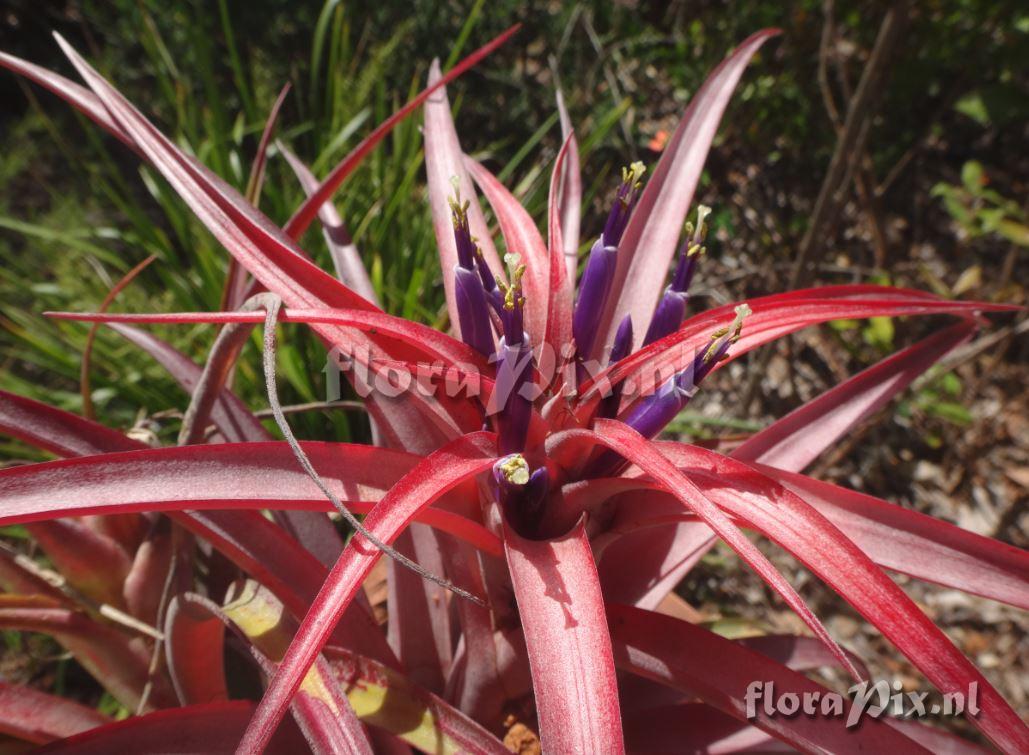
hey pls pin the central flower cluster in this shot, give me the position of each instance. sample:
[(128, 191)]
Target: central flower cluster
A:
[(485, 303)]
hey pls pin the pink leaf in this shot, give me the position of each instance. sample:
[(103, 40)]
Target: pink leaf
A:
[(653, 232), (432, 344), (57, 431), (432, 477), (349, 267), (523, 238), (800, 529), (562, 612), (419, 628), (912, 543), (252, 542), (444, 161), (569, 193), (559, 311), (802, 435)]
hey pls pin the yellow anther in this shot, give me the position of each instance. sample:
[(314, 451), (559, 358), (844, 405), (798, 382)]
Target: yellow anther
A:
[(631, 176), (733, 331), (700, 231), (515, 469)]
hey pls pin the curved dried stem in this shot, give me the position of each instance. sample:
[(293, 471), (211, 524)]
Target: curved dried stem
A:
[(273, 304)]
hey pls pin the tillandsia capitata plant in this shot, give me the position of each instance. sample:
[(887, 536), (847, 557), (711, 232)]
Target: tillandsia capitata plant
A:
[(531, 519)]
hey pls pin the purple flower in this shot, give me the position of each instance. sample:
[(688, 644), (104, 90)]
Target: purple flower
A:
[(469, 293), (652, 413), (520, 491), (619, 350), (671, 309), (597, 277)]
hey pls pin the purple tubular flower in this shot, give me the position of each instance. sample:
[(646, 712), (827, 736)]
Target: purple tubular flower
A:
[(466, 247), (625, 202), (653, 413), (514, 409), (668, 315), (472, 311), (594, 288), (469, 293), (671, 310), (619, 350), (519, 491), (597, 277)]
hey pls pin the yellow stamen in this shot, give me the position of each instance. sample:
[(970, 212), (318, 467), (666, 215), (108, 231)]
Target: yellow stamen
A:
[(733, 331), (515, 469), (631, 176)]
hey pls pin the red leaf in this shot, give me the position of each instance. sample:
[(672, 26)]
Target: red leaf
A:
[(271, 257), (432, 344), (719, 671), (34, 716), (106, 653), (252, 542), (92, 563), (675, 551), (523, 238), (211, 728), (274, 559), (76, 95), (234, 292), (432, 477), (773, 317), (695, 727), (801, 530), (222, 476), (37, 717), (194, 649), (419, 627), (644, 454), (302, 217), (797, 439), (651, 238), (320, 708), (797, 653), (353, 670), (256, 180), (912, 543), (58, 431), (562, 612)]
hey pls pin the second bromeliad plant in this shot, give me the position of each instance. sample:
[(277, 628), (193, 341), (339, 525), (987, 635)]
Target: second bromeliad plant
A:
[(554, 516)]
